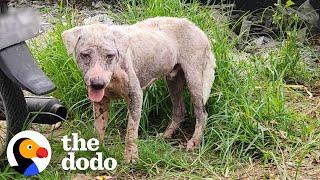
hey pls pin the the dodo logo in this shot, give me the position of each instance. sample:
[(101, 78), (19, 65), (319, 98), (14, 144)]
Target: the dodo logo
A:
[(29, 153)]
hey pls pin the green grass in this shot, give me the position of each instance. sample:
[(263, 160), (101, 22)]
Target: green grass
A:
[(247, 108)]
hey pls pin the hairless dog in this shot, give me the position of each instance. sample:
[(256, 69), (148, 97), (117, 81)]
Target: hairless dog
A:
[(119, 61)]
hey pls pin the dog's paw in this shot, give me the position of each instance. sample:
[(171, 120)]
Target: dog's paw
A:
[(131, 158), (131, 155), (168, 133), (100, 137), (192, 144)]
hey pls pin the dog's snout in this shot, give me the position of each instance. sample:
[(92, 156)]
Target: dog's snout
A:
[(97, 83)]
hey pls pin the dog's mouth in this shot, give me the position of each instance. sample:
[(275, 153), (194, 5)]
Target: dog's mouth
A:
[(95, 95)]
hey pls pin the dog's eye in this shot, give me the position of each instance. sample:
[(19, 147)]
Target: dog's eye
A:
[(85, 55), (110, 56)]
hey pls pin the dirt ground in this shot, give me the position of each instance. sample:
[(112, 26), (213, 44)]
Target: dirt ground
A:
[(256, 171)]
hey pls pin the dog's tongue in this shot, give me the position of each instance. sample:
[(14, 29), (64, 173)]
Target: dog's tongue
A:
[(95, 95)]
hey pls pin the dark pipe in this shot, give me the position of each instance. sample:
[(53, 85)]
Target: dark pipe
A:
[(3, 6), (45, 110)]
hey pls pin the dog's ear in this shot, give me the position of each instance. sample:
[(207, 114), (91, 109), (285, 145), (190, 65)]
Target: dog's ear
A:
[(71, 37), (122, 42)]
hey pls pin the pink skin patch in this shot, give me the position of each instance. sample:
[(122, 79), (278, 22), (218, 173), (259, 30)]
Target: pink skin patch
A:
[(95, 95), (97, 71)]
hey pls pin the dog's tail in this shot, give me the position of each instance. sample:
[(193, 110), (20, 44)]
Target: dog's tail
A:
[(209, 66)]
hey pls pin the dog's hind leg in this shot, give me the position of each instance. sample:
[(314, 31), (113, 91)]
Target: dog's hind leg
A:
[(195, 88), (199, 79), (176, 84), (199, 73)]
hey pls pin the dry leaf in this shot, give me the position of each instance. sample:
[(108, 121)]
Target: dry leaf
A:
[(283, 134), (104, 177), (79, 176)]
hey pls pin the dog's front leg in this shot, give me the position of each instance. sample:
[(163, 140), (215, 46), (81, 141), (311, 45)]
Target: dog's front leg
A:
[(134, 100), (101, 115)]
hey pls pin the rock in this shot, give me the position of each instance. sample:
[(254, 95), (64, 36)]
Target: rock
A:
[(99, 18), (100, 4), (261, 45), (259, 41), (245, 28), (302, 34), (308, 13)]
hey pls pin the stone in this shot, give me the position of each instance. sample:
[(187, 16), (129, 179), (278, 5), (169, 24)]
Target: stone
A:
[(99, 18)]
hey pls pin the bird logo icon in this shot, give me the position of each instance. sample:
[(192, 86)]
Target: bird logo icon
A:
[(29, 153)]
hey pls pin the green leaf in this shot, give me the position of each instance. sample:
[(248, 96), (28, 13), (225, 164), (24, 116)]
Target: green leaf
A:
[(289, 3)]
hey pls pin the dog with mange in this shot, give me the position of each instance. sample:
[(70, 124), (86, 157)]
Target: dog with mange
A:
[(119, 61)]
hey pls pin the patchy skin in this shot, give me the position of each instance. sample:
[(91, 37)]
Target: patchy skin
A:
[(119, 61), (117, 88), (101, 115)]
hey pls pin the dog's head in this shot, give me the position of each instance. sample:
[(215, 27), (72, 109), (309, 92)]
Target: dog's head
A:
[(97, 50)]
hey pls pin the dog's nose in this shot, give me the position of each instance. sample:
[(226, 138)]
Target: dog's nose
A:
[(97, 83)]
